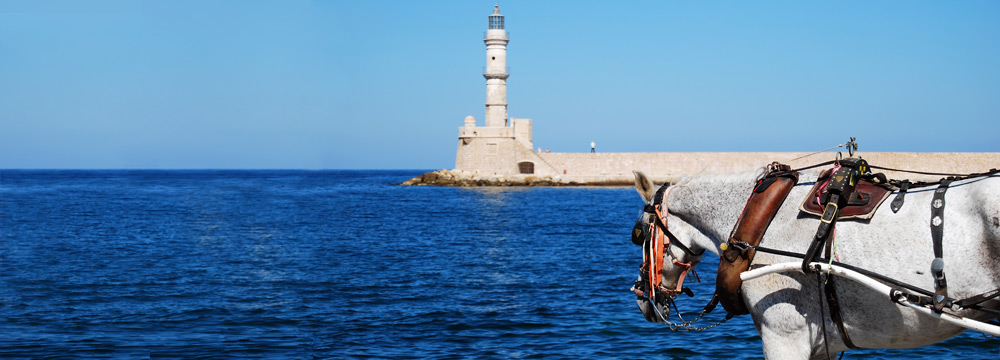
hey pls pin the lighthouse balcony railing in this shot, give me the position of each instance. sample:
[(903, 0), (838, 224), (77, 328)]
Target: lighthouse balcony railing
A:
[(506, 35), (495, 72)]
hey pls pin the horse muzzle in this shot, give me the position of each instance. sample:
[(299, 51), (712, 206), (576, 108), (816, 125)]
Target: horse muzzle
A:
[(654, 307), (652, 312)]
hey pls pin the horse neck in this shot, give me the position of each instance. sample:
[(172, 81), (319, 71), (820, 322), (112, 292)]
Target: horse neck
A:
[(712, 204)]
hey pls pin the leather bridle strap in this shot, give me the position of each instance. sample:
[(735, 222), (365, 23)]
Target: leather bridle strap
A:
[(674, 241), (660, 234), (662, 197)]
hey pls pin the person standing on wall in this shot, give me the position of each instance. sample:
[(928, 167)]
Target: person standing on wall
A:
[(593, 147)]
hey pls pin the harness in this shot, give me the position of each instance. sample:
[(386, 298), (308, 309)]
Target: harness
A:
[(841, 187), (767, 197), (937, 232)]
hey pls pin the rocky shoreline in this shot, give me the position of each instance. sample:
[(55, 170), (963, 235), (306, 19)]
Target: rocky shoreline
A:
[(460, 178)]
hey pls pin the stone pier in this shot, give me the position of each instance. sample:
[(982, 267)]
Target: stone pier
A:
[(615, 169)]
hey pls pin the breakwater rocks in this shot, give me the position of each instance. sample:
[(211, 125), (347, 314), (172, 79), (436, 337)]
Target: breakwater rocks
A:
[(466, 179)]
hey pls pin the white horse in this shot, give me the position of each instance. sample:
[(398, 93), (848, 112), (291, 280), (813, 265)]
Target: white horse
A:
[(786, 307)]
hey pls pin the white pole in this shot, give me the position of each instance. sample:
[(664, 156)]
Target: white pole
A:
[(874, 285)]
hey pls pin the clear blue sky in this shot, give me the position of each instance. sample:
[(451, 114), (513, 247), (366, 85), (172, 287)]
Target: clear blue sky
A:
[(386, 84)]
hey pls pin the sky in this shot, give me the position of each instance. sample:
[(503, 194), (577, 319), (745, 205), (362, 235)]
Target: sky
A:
[(351, 84)]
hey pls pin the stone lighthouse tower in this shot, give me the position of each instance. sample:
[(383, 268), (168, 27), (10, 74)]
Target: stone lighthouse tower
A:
[(496, 71), (503, 146)]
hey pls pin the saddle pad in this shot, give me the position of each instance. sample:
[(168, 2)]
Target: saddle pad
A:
[(862, 205)]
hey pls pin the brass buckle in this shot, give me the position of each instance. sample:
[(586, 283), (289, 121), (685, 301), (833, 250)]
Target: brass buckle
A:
[(829, 213)]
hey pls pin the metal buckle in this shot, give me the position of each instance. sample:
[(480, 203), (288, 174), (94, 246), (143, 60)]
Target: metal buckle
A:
[(829, 213)]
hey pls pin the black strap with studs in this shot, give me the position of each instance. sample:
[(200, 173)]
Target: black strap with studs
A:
[(937, 234)]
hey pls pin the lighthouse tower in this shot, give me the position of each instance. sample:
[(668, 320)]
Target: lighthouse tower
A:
[(503, 146), (496, 71)]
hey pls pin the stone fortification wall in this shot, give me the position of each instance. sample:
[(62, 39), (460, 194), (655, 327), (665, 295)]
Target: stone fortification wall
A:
[(487, 155), (555, 169), (586, 167)]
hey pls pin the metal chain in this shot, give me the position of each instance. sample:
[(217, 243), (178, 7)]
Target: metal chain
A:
[(689, 327), (684, 325)]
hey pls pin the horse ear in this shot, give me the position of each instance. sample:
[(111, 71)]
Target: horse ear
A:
[(644, 186)]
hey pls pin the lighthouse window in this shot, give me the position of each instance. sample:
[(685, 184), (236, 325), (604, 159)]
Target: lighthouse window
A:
[(494, 58), (496, 22)]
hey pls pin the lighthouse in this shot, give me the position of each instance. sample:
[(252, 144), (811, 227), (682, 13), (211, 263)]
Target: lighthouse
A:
[(503, 145), (496, 71)]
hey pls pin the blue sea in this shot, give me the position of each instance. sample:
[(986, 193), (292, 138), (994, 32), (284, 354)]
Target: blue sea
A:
[(338, 264)]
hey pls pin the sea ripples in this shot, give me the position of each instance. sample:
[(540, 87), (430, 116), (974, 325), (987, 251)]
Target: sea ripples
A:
[(341, 264)]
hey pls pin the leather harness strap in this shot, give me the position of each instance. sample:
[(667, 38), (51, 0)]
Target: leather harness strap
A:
[(844, 179), (767, 196), (831, 299), (937, 233), (897, 203), (841, 188)]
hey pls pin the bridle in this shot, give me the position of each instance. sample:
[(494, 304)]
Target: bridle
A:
[(656, 239), (656, 245)]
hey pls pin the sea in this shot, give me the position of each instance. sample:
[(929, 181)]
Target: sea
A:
[(339, 264)]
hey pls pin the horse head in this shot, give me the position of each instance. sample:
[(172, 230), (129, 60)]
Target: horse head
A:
[(661, 281)]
